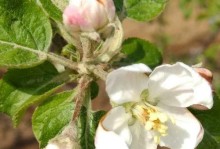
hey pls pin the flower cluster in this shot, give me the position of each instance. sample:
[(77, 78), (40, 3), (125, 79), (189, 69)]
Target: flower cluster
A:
[(150, 108)]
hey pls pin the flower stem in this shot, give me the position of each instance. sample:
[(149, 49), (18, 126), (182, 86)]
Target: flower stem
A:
[(54, 58), (82, 95)]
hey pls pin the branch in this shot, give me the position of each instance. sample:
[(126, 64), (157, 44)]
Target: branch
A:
[(62, 60), (81, 96)]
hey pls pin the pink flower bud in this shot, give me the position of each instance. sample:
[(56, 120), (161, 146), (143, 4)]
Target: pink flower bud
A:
[(88, 15)]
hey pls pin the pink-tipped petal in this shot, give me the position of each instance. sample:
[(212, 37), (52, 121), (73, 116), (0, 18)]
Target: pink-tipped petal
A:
[(179, 85)]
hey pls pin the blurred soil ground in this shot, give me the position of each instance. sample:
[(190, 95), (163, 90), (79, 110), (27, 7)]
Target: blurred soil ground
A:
[(178, 37)]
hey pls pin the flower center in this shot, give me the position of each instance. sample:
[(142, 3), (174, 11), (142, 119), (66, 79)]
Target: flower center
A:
[(150, 116)]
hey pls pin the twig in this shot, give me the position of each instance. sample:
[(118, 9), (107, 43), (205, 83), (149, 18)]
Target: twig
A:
[(62, 60), (82, 87)]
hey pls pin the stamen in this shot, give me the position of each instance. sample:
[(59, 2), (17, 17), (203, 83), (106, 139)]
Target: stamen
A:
[(149, 115), (151, 118)]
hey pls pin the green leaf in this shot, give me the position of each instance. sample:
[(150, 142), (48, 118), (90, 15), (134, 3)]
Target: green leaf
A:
[(54, 8), (21, 88), (94, 89), (119, 5), (144, 10), (25, 34), (52, 116), (141, 51), (210, 121), (88, 124)]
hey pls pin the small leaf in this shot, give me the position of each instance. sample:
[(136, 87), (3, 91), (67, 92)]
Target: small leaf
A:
[(54, 8), (144, 10), (119, 5), (210, 122), (94, 89), (25, 34), (141, 51), (21, 88), (52, 116), (88, 124)]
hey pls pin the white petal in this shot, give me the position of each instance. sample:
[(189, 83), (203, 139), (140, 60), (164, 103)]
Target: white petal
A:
[(126, 83), (179, 85), (110, 9), (116, 120), (141, 138), (113, 131), (185, 133), (108, 140), (52, 146), (95, 13)]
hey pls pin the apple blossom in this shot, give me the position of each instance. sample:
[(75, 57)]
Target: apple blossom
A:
[(88, 15), (150, 110)]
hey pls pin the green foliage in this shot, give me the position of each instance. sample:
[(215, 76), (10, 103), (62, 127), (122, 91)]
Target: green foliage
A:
[(119, 4), (54, 8), (21, 88), (94, 89), (144, 10), (211, 123), (25, 33), (52, 116), (141, 51), (88, 123)]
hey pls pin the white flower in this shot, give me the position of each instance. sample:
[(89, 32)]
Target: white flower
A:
[(150, 110), (88, 15)]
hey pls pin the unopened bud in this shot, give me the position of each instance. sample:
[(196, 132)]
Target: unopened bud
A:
[(88, 15), (208, 76), (205, 73)]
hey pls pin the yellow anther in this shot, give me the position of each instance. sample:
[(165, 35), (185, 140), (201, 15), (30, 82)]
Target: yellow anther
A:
[(162, 129), (152, 119), (162, 117), (149, 125), (153, 116), (150, 116)]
